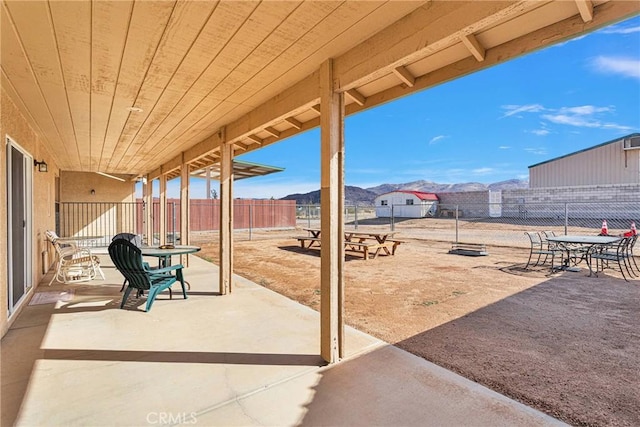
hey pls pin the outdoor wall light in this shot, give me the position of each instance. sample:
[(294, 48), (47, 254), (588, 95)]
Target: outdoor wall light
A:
[(93, 192), (42, 166)]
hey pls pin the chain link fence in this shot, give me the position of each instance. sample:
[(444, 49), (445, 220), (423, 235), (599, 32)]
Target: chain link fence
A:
[(497, 224)]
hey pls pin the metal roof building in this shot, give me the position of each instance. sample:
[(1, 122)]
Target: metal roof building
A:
[(612, 162)]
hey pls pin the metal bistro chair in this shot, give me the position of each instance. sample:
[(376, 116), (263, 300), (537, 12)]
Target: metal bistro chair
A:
[(619, 253), (541, 247), (127, 258)]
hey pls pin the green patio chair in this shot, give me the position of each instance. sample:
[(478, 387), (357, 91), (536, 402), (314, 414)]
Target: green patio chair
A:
[(127, 258)]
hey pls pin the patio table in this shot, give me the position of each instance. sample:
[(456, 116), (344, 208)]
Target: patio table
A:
[(164, 254), (587, 243)]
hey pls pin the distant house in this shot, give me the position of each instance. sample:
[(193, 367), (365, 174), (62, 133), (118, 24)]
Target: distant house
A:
[(406, 204)]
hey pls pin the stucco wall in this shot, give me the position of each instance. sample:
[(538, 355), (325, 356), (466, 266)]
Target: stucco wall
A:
[(13, 124), (77, 186)]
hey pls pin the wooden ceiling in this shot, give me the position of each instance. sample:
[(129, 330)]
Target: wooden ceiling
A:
[(138, 87)]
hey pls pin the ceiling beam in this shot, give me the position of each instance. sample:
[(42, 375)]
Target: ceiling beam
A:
[(271, 131), (358, 98), (256, 139), (605, 14), (240, 146), (404, 75), (398, 48), (294, 122), (418, 35), (586, 9), (474, 46), (292, 101)]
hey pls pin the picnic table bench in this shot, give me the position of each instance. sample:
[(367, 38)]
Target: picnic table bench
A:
[(367, 247), (366, 243), (469, 249), (310, 239)]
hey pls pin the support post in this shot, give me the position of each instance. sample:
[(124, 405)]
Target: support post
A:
[(226, 215), (163, 209), (331, 217), (184, 210), (147, 195)]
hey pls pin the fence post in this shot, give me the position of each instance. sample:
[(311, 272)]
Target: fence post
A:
[(457, 224), (251, 218), (566, 217), (174, 222), (355, 217), (308, 216), (393, 223)]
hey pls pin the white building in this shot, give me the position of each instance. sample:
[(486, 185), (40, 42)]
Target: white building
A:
[(406, 204)]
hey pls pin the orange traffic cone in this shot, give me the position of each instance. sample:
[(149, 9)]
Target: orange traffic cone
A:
[(605, 230), (633, 228)]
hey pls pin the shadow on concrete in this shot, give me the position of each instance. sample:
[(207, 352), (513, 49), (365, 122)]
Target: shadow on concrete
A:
[(186, 357)]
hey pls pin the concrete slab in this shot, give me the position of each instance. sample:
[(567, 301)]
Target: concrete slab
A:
[(248, 358)]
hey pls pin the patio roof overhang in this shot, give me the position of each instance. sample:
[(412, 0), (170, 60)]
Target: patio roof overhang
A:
[(241, 170), (136, 87), (155, 88)]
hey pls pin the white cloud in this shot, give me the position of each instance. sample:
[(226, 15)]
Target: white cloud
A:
[(539, 151), (504, 147), (617, 29), (436, 139), (627, 67), (585, 110), (483, 171), (540, 132), (586, 116), (517, 109), (586, 121)]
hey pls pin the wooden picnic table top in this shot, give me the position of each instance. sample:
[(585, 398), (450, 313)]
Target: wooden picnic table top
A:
[(356, 232)]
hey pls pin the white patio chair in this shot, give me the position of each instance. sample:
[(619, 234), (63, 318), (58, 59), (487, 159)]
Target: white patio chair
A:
[(74, 264)]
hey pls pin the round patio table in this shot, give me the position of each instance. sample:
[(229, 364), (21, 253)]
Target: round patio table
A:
[(164, 255)]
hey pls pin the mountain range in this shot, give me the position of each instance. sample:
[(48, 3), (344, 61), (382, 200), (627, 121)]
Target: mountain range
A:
[(366, 196)]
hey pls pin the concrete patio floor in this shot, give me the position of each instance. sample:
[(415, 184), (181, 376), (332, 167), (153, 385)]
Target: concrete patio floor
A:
[(249, 358)]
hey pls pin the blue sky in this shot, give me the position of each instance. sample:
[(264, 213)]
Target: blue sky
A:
[(486, 127)]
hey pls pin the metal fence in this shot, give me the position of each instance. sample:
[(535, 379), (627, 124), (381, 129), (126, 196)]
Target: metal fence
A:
[(101, 219), (106, 219), (495, 224)]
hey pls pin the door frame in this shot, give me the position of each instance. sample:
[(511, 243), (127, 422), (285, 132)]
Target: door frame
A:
[(10, 143)]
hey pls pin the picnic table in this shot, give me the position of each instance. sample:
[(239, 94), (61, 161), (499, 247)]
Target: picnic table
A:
[(364, 242)]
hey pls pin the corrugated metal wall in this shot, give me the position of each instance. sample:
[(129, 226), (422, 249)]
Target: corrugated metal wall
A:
[(606, 164)]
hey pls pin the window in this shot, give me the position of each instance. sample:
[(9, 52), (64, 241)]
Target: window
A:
[(383, 203), (409, 201)]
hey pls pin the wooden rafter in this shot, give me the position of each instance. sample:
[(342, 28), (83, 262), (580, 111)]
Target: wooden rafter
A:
[(294, 122), (359, 98), (405, 76), (271, 131), (586, 9), (474, 46), (255, 139)]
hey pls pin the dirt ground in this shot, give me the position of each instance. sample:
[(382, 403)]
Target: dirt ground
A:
[(566, 344)]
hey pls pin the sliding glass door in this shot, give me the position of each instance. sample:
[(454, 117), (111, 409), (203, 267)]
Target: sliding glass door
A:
[(19, 204)]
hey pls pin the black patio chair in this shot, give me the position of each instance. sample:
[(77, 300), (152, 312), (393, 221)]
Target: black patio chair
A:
[(127, 258), (136, 240), (541, 247), (618, 253)]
